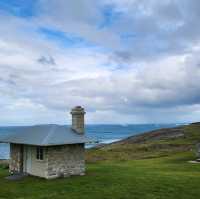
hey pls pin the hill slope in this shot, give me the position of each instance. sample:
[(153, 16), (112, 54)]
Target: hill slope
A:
[(158, 143)]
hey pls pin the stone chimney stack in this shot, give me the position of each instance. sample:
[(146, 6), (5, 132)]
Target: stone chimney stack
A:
[(78, 119)]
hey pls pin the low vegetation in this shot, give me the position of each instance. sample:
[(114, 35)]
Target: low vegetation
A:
[(158, 143), (150, 166)]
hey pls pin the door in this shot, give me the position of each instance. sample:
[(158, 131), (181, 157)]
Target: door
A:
[(27, 159)]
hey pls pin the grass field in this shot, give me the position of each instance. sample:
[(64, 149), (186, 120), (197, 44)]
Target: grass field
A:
[(137, 171), (157, 178)]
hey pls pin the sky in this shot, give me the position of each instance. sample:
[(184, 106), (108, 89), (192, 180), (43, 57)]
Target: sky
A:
[(125, 62)]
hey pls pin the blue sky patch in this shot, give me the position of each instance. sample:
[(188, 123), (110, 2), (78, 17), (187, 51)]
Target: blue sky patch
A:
[(65, 39), (21, 8), (127, 36), (110, 16)]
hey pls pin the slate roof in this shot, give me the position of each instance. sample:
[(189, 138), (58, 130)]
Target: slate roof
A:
[(43, 135)]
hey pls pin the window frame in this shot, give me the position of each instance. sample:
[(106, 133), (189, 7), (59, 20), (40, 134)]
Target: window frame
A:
[(39, 153)]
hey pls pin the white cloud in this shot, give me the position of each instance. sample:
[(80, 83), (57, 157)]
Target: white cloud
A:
[(152, 77)]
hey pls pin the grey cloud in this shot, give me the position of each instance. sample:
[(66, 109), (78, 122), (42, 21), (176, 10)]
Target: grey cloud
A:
[(49, 60), (145, 92), (122, 56), (160, 28)]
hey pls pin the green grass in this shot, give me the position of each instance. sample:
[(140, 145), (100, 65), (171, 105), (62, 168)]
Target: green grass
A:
[(157, 178), (152, 170)]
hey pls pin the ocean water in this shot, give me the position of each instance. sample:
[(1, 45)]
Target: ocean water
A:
[(100, 133)]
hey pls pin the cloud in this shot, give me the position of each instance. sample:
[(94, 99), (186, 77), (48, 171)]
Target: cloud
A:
[(135, 62), (46, 60)]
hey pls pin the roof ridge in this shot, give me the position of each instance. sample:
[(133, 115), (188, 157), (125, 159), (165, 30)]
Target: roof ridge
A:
[(49, 134)]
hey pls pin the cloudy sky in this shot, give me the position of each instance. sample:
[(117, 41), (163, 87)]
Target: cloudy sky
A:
[(130, 61)]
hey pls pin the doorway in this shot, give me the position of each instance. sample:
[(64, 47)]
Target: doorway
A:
[(27, 159)]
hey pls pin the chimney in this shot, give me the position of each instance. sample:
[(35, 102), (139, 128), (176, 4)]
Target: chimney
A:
[(78, 119)]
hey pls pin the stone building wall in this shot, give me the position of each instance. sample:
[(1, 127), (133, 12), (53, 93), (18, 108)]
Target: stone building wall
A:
[(16, 158), (65, 160)]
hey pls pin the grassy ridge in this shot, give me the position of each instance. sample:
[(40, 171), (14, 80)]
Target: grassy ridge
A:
[(158, 143), (123, 170)]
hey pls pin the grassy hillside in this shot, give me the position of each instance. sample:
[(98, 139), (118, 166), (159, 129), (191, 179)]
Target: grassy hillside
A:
[(158, 143), (149, 166)]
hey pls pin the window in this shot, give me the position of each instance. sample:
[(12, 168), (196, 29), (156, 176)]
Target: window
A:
[(40, 153)]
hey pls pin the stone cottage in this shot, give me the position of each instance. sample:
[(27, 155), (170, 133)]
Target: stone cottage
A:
[(49, 151)]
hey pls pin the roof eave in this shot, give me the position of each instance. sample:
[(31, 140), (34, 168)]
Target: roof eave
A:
[(49, 144)]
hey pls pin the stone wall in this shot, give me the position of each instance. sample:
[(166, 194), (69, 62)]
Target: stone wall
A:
[(59, 161), (16, 158), (65, 160)]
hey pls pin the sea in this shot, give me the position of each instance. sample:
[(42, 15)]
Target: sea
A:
[(101, 133)]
